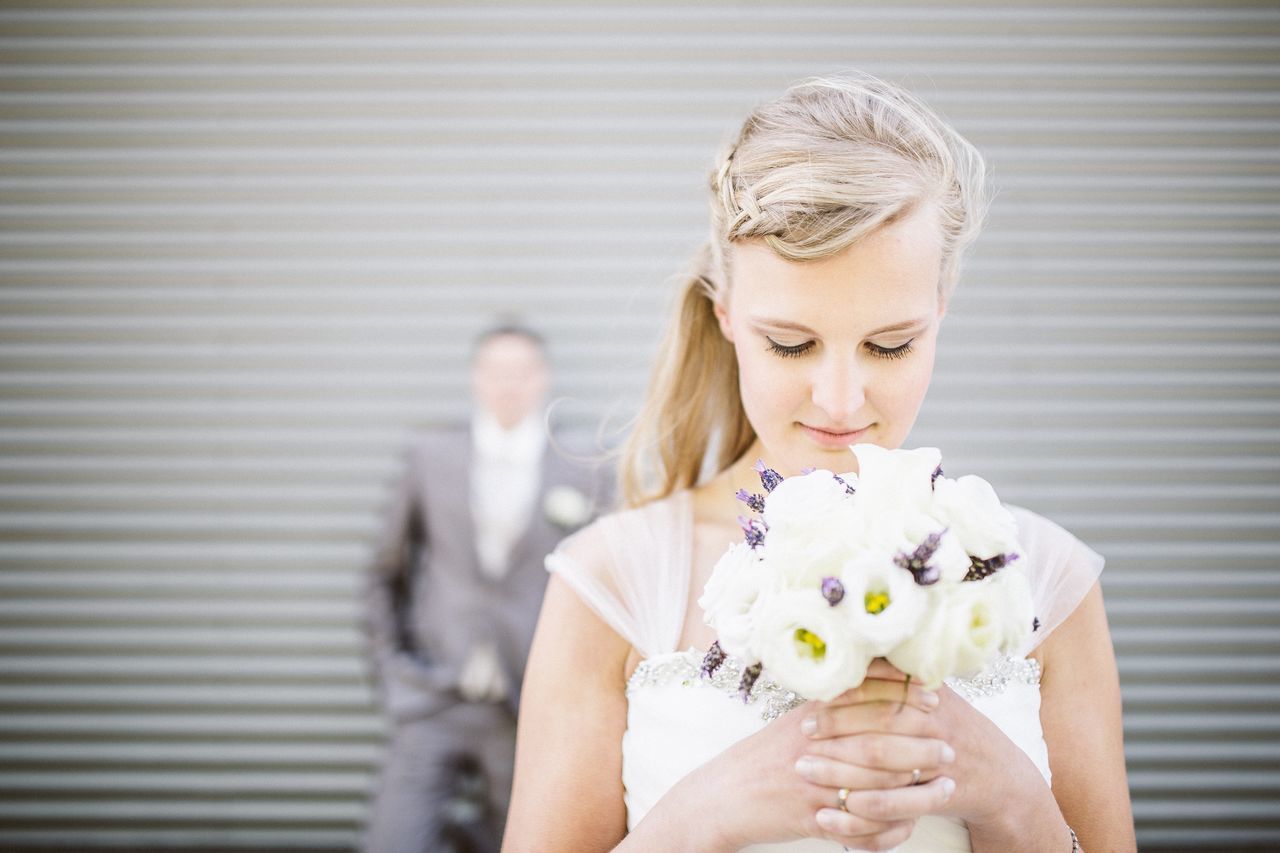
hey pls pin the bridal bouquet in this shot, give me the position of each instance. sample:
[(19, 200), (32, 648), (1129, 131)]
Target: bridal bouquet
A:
[(896, 561)]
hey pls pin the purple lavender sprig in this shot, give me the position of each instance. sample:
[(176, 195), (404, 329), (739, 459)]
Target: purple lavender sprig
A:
[(753, 530), (933, 480), (832, 590), (769, 478), (754, 501), (980, 569), (917, 562), (749, 676), (850, 490), (714, 657)]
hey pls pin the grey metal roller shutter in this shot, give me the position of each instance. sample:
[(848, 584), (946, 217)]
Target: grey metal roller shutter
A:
[(243, 247)]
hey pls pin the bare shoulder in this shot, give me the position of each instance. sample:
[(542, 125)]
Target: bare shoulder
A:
[(567, 793)]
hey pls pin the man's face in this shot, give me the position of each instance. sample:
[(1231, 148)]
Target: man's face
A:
[(509, 378)]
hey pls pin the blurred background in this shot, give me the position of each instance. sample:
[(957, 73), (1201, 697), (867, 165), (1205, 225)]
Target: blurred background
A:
[(244, 248)]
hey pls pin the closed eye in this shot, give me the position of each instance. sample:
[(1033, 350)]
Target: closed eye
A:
[(891, 352), (789, 351)]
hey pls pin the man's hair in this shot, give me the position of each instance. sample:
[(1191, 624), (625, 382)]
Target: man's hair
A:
[(502, 330)]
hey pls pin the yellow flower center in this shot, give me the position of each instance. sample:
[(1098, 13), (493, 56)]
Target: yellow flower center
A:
[(816, 647), (876, 602)]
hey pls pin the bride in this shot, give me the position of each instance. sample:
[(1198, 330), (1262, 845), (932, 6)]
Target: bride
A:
[(839, 218)]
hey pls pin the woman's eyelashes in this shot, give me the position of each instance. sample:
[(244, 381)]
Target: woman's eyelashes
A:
[(797, 350)]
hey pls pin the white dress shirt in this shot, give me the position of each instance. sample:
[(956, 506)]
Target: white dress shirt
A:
[(506, 471)]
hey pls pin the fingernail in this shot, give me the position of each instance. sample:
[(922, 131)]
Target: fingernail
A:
[(948, 788), (931, 700), (805, 765), (948, 754), (809, 725), (828, 819)]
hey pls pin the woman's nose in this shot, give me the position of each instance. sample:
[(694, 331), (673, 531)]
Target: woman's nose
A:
[(839, 390)]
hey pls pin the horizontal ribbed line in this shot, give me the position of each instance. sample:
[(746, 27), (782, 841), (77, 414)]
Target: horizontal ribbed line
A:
[(1214, 666), (227, 585), (1196, 579), (374, 320), (1176, 609), (603, 151), (203, 725), (342, 610), (718, 40), (206, 696), (364, 97), (386, 437), (303, 553), (561, 180), (319, 811), (1205, 210), (362, 268), (1205, 782), (715, 13), (220, 838), (1226, 810), (1201, 723), (1223, 828), (203, 781), (1241, 635), (1194, 69), (185, 667), (1222, 751), (341, 295), (365, 755), (243, 637)]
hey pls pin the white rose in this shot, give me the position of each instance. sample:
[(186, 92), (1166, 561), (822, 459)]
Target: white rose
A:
[(882, 601), (812, 529), (807, 645), (964, 627), (1016, 604), (972, 511), (894, 481), (566, 507), (729, 598)]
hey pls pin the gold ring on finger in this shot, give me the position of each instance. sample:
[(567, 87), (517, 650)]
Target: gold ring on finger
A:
[(915, 776), (842, 796)]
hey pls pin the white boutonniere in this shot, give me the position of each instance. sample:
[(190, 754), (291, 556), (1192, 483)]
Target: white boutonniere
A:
[(566, 507)]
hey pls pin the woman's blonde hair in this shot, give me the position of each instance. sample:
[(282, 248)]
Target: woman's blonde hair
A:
[(810, 174)]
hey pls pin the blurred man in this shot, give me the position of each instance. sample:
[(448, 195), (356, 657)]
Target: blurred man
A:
[(452, 598)]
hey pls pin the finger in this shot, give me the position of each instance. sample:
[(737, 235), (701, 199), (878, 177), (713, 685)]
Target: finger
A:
[(894, 804), (889, 690), (881, 668), (890, 717), (862, 775), (878, 751), (846, 829)]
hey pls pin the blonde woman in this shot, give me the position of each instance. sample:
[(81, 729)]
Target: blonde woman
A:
[(839, 218)]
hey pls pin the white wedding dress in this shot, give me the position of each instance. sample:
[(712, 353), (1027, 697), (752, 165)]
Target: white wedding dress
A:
[(633, 569)]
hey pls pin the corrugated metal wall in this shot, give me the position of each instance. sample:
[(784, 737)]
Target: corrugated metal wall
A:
[(243, 247)]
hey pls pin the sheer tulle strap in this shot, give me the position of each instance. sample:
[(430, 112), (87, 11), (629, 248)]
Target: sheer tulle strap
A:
[(1060, 567), (632, 569)]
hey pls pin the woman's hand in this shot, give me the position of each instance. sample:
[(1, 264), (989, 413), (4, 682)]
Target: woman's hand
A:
[(867, 740)]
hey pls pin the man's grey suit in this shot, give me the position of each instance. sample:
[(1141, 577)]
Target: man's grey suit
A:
[(427, 605)]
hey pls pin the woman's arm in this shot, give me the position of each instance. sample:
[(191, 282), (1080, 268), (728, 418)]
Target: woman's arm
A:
[(1080, 716), (1080, 712), (567, 793)]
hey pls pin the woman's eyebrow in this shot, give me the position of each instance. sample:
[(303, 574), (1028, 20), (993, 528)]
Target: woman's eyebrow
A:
[(798, 327)]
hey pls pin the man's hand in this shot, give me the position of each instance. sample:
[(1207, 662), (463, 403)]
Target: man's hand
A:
[(481, 679)]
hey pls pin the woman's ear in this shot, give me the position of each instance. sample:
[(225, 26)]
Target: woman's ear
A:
[(722, 317)]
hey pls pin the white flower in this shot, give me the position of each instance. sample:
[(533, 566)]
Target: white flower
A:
[(882, 601), (813, 528), (566, 507), (729, 598), (807, 645), (973, 512), (1014, 589), (964, 627), (894, 481)]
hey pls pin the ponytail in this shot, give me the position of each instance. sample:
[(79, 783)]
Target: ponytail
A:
[(692, 401)]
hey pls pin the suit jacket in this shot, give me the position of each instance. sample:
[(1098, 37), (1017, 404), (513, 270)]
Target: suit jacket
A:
[(427, 603)]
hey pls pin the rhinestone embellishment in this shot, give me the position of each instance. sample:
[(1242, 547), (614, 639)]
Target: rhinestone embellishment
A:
[(684, 669)]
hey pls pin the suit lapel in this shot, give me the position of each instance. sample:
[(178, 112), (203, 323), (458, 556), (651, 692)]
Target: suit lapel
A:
[(463, 493)]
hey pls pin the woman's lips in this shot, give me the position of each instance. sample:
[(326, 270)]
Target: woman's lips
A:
[(839, 440)]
